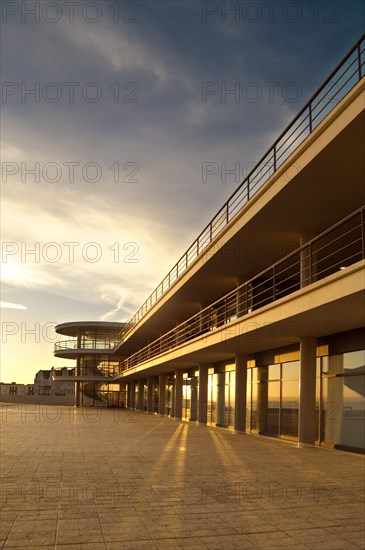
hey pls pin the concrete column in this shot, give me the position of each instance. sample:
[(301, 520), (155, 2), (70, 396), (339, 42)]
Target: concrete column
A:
[(262, 399), (78, 371), (150, 383), (77, 389), (194, 400), (131, 395), (307, 392), (240, 393), (162, 394), (221, 409), (203, 393), (178, 394), (140, 404)]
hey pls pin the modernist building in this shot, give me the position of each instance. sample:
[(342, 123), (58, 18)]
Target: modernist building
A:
[(92, 344), (258, 328)]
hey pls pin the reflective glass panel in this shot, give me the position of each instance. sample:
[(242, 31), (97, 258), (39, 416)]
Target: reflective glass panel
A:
[(354, 362), (248, 401), (343, 411), (290, 369), (289, 408), (255, 407), (273, 407), (274, 372)]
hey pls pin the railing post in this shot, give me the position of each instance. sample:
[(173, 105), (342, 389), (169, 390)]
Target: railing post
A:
[(310, 264)]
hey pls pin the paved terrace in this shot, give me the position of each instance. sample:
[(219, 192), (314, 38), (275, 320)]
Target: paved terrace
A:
[(96, 479)]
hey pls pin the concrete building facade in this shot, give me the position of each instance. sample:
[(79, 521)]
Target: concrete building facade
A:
[(259, 327)]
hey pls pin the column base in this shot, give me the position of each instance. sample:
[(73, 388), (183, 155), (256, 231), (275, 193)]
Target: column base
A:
[(238, 432), (302, 445), (202, 423), (161, 414)]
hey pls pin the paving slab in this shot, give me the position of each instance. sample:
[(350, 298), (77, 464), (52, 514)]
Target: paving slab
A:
[(111, 479)]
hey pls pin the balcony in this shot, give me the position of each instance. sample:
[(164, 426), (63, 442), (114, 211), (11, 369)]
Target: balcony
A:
[(338, 84), (332, 251), (88, 345)]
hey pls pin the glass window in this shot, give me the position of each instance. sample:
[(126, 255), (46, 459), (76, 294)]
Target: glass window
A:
[(263, 373), (230, 367), (325, 364), (273, 408), (274, 372), (248, 400), (186, 400), (291, 369), (255, 420), (169, 396), (289, 408), (348, 363), (231, 397), (354, 362), (343, 401), (212, 399), (318, 396)]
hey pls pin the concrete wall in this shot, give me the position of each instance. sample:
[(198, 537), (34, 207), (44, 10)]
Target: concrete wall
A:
[(39, 399)]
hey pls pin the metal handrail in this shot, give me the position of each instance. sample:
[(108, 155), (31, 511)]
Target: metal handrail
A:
[(269, 162), (88, 344), (268, 286)]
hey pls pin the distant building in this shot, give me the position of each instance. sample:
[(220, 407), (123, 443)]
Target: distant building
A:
[(57, 382), (16, 389)]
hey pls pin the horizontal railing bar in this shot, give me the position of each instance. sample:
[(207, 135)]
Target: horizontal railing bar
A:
[(336, 264), (335, 83), (321, 260), (338, 91)]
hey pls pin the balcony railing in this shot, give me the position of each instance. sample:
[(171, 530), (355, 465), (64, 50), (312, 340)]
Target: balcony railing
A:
[(336, 249), (68, 345), (342, 79)]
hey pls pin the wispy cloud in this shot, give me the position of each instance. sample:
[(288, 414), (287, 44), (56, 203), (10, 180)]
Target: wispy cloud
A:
[(10, 305), (169, 132)]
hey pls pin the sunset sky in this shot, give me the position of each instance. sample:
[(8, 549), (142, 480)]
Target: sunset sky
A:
[(102, 163)]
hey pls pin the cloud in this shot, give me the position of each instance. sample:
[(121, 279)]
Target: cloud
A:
[(10, 305), (169, 133)]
